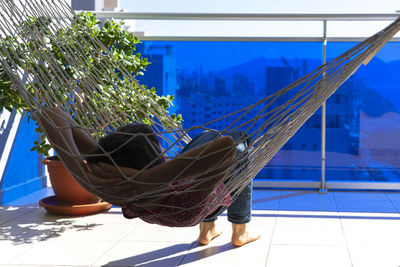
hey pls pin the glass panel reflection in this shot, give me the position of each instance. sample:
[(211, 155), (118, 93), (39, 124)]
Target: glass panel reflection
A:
[(211, 79), (363, 120)]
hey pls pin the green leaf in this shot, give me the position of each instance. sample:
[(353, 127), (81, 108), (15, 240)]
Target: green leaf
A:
[(120, 45)]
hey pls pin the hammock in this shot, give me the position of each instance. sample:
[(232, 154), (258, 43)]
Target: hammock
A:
[(267, 124)]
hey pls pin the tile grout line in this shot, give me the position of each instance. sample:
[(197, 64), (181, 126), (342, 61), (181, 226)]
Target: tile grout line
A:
[(22, 214), (116, 243), (391, 203), (96, 260), (187, 252), (20, 254), (28, 249), (341, 226), (273, 229)]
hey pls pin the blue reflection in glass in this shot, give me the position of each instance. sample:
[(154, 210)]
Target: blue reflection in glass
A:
[(365, 120), (212, 79)]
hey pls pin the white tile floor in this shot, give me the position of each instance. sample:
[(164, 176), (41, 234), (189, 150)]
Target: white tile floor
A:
[(299, 228)]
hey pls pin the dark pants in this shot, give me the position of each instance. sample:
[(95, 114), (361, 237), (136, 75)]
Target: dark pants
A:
[(239, 212)]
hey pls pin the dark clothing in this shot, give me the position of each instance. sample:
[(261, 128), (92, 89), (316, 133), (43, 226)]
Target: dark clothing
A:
[(239, 212)]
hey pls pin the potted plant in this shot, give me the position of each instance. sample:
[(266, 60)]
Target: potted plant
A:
[(121, 44)]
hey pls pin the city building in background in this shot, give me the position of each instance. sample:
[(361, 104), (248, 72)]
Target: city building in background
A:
[(204, 95), (162, 72)]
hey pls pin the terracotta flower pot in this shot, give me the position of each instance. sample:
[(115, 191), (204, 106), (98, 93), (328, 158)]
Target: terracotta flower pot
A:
[(67, 190)]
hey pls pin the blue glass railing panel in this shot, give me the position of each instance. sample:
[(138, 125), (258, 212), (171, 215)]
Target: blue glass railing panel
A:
[(363, 120), (213, 78)]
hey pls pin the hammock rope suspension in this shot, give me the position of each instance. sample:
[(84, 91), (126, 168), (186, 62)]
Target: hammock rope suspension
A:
[(41, 80)]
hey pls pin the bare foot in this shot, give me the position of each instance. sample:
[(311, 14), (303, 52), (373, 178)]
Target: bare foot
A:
[(241, 236), (208, 232)]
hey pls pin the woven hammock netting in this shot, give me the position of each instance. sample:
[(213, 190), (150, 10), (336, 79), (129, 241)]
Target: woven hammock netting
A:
[(47, 88)]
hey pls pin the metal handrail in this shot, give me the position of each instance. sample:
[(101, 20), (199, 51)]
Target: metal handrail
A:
[(319, 17), (246, 16), (254, 39)]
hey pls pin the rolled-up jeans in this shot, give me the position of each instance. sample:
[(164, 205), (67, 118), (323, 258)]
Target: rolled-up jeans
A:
[(239, 212)]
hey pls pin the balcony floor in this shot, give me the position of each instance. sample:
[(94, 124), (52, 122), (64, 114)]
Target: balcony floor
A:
[(299, 228)]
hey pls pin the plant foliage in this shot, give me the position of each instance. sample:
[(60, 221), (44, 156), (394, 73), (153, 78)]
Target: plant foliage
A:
[(120, 44)]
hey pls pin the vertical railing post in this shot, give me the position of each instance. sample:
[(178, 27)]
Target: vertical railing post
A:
[(323, 189), (41, 167)]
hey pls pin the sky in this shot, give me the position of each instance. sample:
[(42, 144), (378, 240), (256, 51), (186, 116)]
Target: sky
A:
[(263, 6)]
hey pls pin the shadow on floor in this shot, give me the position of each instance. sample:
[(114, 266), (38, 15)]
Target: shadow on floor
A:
[(23, 225), (159, 257)]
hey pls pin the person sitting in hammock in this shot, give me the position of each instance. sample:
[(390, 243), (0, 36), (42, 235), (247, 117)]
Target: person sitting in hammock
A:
[(189, 203)]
